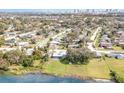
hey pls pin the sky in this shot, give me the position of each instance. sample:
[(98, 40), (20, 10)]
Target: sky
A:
[(61, 4)]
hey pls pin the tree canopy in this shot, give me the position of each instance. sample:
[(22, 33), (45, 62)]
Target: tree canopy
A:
[(77, 56)]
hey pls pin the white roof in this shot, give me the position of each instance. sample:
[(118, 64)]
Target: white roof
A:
[(54, 42), (59, 53), (7, 49), (29, 51), (22, 43)]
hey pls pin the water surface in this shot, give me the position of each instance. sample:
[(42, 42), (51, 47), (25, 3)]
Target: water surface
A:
[(41, 78)]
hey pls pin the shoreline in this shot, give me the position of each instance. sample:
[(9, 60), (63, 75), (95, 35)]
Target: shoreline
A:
[(94, 80)]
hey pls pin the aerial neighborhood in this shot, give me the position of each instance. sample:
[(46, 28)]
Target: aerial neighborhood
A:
[(84, 45)]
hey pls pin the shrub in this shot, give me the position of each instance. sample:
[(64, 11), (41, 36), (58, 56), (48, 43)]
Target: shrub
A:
[(37, 55), (27, 61), (117, 77), (45, 58), (64, 60)]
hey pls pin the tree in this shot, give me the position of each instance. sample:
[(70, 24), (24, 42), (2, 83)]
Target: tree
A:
[(1, 54), (122, 46), (51, 39), (45, 57), (83, 41), (70, 38), (3, 64), (18, 24), (45, 49), (27, 61), (33, 41), (57, 31), (3, 27), (13, 56), (2, 40), (37, 55), (39, 33), (77, 56)]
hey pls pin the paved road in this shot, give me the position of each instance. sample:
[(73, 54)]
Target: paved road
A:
[(46, 40), (90, 44)]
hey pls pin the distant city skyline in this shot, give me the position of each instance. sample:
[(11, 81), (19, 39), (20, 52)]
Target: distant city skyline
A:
[(62, 10)]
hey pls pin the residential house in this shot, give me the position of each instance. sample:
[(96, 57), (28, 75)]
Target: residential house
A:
[(106, 45), (22, 44), (119, 33), (29, 51), (105, 42), (10, 42), (73, 46), (10, 34), (57, 53), (27, 35), (54, 42), (119, 40)]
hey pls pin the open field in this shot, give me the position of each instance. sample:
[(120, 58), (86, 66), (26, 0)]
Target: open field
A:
[(116, 65), (95, 69)]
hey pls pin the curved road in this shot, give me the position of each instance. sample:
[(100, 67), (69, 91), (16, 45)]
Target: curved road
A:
[(90, 44)]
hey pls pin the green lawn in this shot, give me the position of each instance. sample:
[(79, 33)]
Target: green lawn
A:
[(57, 68), (116, 65), (95, 69), (98, 69), (118, 48)]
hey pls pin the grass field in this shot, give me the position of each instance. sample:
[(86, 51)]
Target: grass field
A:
[(95, 69), (116, 65), (98, 69)]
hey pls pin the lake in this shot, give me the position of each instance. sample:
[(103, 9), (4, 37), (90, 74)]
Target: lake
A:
[(43, 78)]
